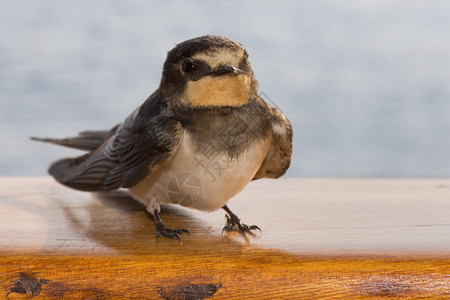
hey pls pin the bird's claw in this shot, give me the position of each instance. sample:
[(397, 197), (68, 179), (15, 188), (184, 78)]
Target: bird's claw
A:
[(237, 225), (173, 234)]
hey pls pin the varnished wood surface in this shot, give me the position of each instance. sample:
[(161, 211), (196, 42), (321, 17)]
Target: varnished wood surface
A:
[(362, 238)]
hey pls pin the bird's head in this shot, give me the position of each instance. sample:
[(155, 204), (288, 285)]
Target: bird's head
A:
[(208, 71)]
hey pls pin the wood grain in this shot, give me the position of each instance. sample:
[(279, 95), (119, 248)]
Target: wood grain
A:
[(362, 238)]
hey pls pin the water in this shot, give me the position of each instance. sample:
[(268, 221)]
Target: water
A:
[(364, 83)]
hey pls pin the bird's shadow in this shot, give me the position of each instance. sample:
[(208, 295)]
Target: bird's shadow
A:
[(115, 222)]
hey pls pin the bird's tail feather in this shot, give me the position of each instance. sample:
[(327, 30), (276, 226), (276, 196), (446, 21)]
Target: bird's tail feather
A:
[(81, 143), (86, 140)]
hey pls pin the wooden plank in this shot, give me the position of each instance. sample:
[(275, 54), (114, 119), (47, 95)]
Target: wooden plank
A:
[(362, 238)]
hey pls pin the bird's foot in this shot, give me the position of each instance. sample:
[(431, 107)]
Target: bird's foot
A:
[(235, 224), (161, 229), (173, 234)]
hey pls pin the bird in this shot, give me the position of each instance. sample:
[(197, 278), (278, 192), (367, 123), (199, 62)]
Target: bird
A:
[(197, 141)]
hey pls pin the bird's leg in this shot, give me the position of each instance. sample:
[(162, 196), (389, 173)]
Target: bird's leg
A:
[(234, 223), (161, 229), (154, 208)]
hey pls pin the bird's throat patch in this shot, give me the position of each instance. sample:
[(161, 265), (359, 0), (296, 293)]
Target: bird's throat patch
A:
[(225, 90)]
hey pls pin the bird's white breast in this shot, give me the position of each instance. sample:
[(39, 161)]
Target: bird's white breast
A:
[(201, 181)]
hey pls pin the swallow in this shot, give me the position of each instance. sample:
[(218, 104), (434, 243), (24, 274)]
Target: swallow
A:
[(197, 141)]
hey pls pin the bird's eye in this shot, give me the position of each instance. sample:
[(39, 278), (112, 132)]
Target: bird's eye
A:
[(188, 67)]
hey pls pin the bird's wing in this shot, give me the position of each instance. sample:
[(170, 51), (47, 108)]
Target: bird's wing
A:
[(278, 158), (146, 140)]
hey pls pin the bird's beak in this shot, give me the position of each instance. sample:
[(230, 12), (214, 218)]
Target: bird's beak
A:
[(226, 69)]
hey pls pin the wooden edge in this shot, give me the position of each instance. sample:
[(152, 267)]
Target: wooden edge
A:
[(254, 273)]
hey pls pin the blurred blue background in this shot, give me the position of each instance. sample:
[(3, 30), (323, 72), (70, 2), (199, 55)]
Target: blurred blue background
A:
[(366, 84)]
